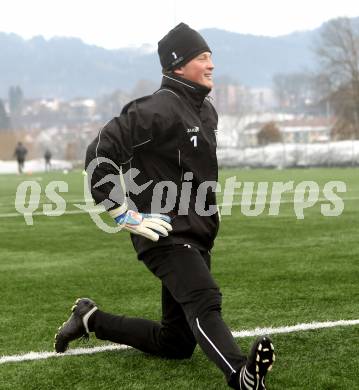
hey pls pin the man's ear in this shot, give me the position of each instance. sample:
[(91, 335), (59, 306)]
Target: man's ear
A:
[(179, 71)]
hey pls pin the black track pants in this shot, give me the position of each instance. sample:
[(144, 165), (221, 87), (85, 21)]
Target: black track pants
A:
[(191, 312)]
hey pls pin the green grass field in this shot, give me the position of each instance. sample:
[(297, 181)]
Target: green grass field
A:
[(273, 271)]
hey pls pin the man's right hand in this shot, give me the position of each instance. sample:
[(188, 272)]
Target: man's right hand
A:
[(151, 226)]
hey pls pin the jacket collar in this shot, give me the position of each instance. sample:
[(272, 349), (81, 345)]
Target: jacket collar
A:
[(191, 91)]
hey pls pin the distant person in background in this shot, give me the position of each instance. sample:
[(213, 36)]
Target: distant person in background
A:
[(20, 153), (47, 157)]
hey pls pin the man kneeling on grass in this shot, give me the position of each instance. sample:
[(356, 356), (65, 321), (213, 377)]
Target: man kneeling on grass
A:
[(169, 136)]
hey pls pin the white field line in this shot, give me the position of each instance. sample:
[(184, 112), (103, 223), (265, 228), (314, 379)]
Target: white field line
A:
[(50, 214), (97, 211), (280, 202), (239, 192), (70, 352), (236, 334), (236, 193), (41, 202), (294, 328)]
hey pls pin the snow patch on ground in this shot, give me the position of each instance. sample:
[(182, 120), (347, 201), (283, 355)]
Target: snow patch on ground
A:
[(31, 166), (341, 153)]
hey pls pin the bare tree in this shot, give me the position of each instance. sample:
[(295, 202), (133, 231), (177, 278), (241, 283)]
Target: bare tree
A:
[(4, 119), (293, 91), (338, 54)]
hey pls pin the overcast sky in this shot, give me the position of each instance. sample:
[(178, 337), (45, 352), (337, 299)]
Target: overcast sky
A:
[(116, 23)]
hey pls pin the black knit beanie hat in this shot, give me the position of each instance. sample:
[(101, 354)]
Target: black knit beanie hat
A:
[(179, 46)]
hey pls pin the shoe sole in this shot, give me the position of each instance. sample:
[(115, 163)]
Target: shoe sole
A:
[(265, 359)]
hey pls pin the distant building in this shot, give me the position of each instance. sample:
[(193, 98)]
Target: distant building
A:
[(81, 110), (231, 98), (263, 99), (241, 130), (296, 130)]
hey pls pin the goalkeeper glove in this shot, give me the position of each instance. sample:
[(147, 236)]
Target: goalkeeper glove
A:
[(151, 226)]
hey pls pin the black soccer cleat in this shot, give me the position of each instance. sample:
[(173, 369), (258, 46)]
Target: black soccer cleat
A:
[(74, 327), (259, 362)]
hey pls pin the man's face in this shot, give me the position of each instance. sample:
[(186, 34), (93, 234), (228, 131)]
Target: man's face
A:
[(198, 70)]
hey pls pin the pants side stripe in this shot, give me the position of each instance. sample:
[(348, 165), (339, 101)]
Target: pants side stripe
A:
[(214, 347)]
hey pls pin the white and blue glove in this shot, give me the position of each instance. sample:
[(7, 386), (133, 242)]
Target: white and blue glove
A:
[(151, 226)]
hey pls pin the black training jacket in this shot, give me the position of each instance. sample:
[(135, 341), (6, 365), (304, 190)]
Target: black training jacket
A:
[(169, 136)]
